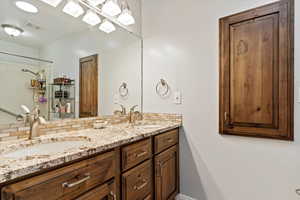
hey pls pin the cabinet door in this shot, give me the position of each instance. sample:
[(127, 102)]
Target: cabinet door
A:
[(166, 174), (256, 79)]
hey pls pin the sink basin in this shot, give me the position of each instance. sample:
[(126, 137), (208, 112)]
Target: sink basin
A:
[(44, 149), (146, 125)]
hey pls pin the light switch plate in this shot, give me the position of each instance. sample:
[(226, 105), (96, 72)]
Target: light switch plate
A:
[(177, 97)]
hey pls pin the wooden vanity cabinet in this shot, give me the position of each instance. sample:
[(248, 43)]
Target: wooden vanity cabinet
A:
[(65, 183), (144, 170)]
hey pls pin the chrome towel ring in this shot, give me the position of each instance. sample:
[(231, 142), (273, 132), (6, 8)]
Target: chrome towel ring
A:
[(162, 88), (123, 90)]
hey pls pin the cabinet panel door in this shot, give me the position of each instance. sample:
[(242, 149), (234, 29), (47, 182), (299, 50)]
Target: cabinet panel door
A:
[(166, 174), (256, 72)]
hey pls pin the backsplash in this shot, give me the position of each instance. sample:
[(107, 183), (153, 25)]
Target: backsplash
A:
[(19, 130)]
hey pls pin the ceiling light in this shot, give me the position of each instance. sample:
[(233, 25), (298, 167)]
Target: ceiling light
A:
[(27, 7), (73, 8), (53, 3), (12, 30), (91, 18), (111, 8), (126, 17), (107, 26), (95, 2)]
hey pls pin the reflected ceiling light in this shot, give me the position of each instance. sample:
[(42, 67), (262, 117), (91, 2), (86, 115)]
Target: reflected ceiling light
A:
[(107, 26), (126, 17), (111, 8), (53, 3), (95, 2), (27, 7), (12, 30), (91, 18), (73, 8)]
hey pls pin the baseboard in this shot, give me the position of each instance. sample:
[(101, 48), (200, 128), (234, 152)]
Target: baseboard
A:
[(184, 197)]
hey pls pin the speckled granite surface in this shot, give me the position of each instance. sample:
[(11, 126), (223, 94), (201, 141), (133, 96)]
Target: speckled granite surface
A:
[(93, 141)]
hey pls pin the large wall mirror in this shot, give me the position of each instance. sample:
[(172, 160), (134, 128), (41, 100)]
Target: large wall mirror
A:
[(63, 60)]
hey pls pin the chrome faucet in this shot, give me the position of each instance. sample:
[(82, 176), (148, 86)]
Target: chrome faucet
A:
[(134, 114), (34, 119)]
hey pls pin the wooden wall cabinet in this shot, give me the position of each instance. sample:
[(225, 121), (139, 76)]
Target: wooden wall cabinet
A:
[(256, 72)]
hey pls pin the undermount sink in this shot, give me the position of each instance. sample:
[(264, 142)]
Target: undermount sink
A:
[(44, 149), (146, 125)]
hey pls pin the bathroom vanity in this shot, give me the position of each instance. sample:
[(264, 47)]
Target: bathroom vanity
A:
[(135, 163)]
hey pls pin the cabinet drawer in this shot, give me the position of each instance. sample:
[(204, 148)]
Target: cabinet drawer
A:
[(105, 191), (165, 140), (137, 182), (65, 183), (134, 154)]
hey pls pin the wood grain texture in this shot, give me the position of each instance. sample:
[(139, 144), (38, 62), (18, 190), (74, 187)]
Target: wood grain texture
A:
[(88, 91), (103, 192), (256, 72), (136, 153), (50, 185), (137, 182), (166, 174), (165, 140)]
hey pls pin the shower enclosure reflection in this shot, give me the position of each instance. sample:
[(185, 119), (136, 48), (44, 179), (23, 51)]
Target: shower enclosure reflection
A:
[(22, 82)]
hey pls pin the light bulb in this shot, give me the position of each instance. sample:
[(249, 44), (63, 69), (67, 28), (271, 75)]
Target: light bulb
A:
[(95, 2), (111, 8), (73, 8), (91, 18), (27, 7), (12, 30), (53, 3), (107, 26), (126, 17)]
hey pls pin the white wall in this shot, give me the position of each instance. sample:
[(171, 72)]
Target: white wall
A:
[(181, 45), (119, 55)]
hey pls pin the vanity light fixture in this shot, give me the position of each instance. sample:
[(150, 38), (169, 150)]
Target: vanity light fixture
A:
[(107, 26), (91, 18), (12, 30), (126, 17), (95, 2), (53, 3), (27, 7), (111, 7), (73, 8)]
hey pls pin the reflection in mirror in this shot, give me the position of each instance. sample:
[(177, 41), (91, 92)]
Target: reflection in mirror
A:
[(68, 62)]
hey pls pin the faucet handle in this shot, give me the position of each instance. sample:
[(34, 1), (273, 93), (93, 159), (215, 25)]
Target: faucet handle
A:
[(133, 108), (123, 112)]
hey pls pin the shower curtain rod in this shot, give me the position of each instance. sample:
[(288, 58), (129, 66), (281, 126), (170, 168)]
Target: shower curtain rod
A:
[(27, 57)]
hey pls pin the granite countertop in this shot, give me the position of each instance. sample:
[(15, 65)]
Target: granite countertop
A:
[(92, 141)]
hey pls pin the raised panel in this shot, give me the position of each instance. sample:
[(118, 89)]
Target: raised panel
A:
[(166, 174), (256, 72)]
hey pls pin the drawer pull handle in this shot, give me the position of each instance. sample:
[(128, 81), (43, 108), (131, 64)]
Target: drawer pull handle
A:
[(141, 154), (141, 186), (169, 140), (69, 185)]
